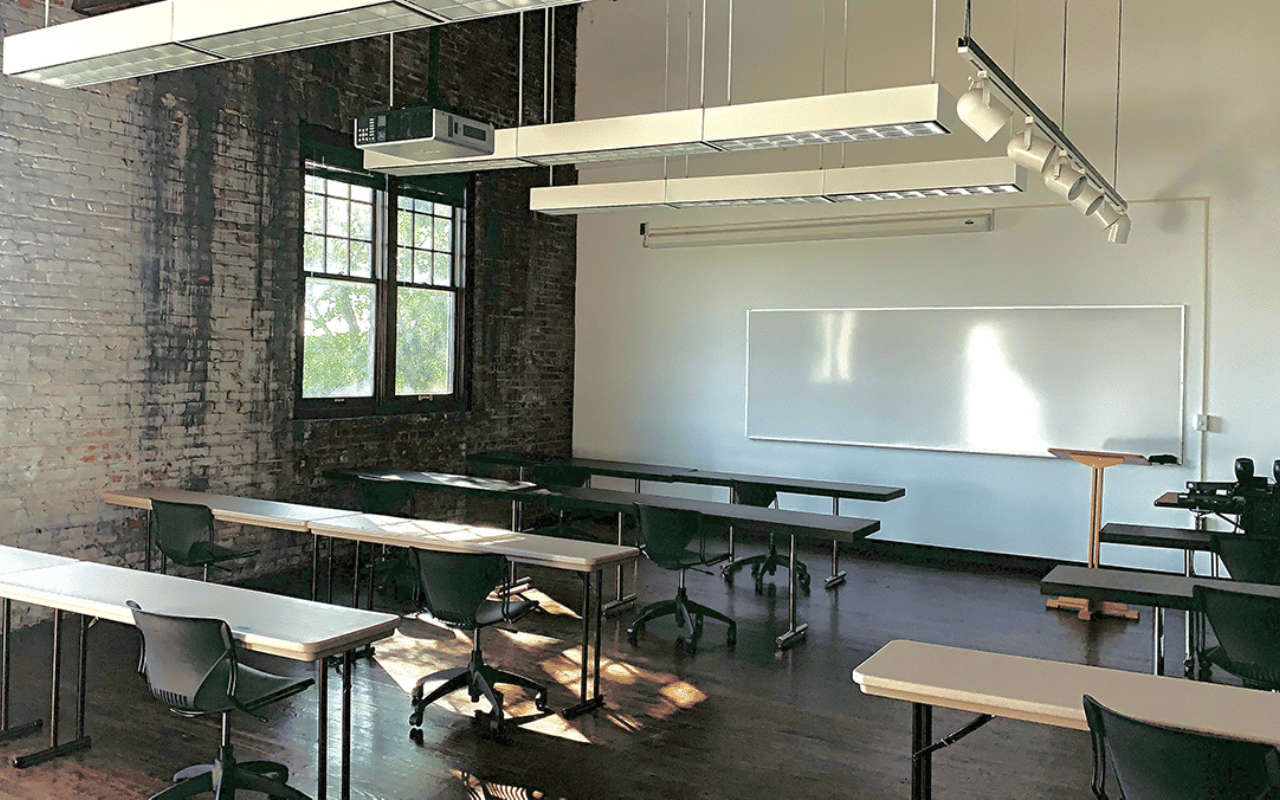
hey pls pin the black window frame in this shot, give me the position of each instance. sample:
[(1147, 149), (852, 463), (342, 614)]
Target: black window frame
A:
[(330, 155)]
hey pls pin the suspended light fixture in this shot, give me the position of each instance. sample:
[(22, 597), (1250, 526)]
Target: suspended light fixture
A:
[(979, 177), (808, 230), (1031, 151), (173, 34), (1118, 233), (1088, 199), (1105, 215)]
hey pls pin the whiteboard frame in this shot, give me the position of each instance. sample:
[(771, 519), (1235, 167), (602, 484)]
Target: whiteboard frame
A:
[(1182, 374)]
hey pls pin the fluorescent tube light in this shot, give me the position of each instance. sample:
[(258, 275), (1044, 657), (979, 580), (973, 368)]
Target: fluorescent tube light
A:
[(503, 157), (664, 133), (921, 180), (819, 229), (773, 188), (122, 44), (470, 9), (975, 177), (595, 197), (873, 115), (246, 28)]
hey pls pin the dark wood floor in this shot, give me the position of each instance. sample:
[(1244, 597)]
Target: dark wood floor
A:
[(750, 722)]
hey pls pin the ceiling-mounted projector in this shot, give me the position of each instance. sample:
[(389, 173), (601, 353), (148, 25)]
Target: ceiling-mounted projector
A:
[(422, 133)]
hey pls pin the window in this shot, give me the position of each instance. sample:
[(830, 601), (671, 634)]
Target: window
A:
[(383, 274)]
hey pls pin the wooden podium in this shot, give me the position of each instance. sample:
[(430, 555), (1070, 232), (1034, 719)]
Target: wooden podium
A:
[(1096, 461)]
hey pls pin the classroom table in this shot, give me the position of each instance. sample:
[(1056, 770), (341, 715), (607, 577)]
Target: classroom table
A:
[(585, 558), (794, 524), (1049, 693), (237, 510), (287, 627), (1160, 590), (14, 560)]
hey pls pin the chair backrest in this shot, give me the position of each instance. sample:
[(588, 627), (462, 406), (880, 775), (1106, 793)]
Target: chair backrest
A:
[(674, 538), (1247, 627), (454, 585), (189, 662), (1154, 762), (754, 494), (179, 526), (559, 475), (1261, 515), (1255, 559)]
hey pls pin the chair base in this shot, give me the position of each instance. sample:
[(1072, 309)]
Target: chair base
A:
[(480, 680), (688, 614), (224, 777), (766, 563)]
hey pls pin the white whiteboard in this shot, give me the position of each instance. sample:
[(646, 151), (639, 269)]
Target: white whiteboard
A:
[(1009, 380)]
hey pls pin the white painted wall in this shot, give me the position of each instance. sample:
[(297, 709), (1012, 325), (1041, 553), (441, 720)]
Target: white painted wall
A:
[(661, 333)]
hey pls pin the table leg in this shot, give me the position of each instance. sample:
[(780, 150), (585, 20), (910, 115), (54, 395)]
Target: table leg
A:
[(328, 582), (355, 578), (795, 634), (315, 566), (1189, 660), (837, 576), (7, 733), (81, 742), (621, 600), (146, 559), (921, 755), (322, 733), (586, 704), (348, 666), (1157, 633)]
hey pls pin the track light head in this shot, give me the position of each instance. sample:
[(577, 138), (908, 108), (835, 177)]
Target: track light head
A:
[(985, 115), (1033, 152), (1063, 179), (1118, 233), (1088, 199), (1106, 215)]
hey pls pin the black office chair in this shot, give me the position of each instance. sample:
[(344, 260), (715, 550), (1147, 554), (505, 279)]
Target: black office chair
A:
[(456, 588), (1248, 631), (561, 476), (676, 539), (762, 495), (191, 666), (1154, 762), (389, 568), (1255, 559), (184, 533)]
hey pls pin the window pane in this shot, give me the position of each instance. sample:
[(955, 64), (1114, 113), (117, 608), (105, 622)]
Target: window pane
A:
[(314, 213), (337, 188), (404, 228), (362, 222), (336, 257), (443, 275), (337, 349), (444, 234), (422, 232), (336, 212), (361, 260), (313, 183), (424, 206), (313, 253), (404, 265), (362, 193), (424, 341), (404, 202)]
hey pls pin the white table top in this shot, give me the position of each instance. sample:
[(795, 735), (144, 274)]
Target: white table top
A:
[(283, 626), (225, 508), (524, 548), (15, 559), (1051, 692)]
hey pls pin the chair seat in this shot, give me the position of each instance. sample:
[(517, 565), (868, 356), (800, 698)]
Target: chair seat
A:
[(490, 612), (1254, 675), (254, 689), (203, 553)]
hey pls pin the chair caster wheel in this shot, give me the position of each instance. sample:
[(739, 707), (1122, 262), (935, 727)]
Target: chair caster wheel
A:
[(773, 589), (415, 736), (732, 639), (415, 719), (540, 703)]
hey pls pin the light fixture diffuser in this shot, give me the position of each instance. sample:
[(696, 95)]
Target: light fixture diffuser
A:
[(806, 230), (971, 177), (664, 133), (873, 115)]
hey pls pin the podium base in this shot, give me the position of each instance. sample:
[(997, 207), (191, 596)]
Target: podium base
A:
[(1087, 611)]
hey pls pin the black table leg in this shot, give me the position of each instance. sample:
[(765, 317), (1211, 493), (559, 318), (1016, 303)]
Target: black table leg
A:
[(921, 755), (322, 733), (621, 601), (837, 576), (81, 742), (795, 633), (7, 733), (147, 556), (315, 566), (585, 705), (348, 665)]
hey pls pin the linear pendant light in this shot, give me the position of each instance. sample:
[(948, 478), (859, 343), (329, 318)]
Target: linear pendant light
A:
[(976, 177), (807, 230), (173, 34), (892, 113), (502, 157)]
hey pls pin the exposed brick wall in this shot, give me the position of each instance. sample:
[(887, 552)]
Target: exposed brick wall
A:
[(150, 287)]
